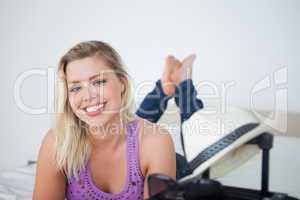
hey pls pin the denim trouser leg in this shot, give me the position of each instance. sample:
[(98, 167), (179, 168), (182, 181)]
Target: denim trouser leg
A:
[(155, 103)]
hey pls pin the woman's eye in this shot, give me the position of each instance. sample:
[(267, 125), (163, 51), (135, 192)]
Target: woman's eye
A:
[(99, 82), (75, 89)]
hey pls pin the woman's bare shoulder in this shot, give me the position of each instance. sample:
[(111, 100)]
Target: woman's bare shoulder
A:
[(156, 148), (50, 181), (149, 131), (47, 148), (154, 138), (49, 138), (47, 152)]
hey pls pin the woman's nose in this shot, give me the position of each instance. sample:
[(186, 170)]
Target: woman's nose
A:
[(88, 94)]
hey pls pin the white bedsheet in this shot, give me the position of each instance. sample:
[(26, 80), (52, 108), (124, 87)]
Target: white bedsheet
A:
[(17, 184)]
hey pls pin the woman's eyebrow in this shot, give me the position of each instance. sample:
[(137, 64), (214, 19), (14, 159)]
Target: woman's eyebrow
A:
[(95, 76), (90, 78)]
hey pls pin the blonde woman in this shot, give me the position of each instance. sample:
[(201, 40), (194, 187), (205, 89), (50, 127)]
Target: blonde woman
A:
[(98, 148)]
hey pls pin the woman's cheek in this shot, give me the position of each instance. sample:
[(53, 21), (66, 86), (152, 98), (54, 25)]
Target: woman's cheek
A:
[(112, 96), (73, 103)]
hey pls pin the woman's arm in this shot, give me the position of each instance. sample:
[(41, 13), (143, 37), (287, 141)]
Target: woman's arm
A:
[(157, 152), (50, 182)]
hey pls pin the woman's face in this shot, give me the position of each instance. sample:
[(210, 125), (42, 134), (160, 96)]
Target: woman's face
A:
[(94, 91)]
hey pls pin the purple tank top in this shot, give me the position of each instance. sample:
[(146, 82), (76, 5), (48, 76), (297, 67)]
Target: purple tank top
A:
[(85, 189)]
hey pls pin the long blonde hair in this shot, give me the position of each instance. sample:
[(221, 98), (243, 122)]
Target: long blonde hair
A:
[(72, 142)]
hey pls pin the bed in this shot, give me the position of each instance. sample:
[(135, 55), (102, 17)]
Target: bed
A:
[(17, 184)]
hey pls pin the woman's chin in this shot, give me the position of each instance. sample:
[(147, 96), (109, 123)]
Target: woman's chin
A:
[(104, 121)]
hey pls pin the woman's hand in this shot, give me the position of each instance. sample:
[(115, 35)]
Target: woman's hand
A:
[(175, 72)]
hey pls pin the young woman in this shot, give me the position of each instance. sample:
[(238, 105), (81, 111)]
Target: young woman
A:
[(98, 149)]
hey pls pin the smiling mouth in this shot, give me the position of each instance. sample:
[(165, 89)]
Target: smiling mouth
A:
[(95, 109)]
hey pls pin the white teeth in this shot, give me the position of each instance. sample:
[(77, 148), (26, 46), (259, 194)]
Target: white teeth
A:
[(94, 108)]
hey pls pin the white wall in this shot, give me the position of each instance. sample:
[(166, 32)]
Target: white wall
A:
[(241, 41)]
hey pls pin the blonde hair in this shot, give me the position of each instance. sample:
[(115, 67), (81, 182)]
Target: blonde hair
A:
[(72, 142)]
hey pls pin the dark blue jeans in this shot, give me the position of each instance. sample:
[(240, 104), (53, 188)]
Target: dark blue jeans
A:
[(156, 102)]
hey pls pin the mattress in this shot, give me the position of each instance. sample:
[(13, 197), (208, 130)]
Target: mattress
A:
[(17, 184)]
